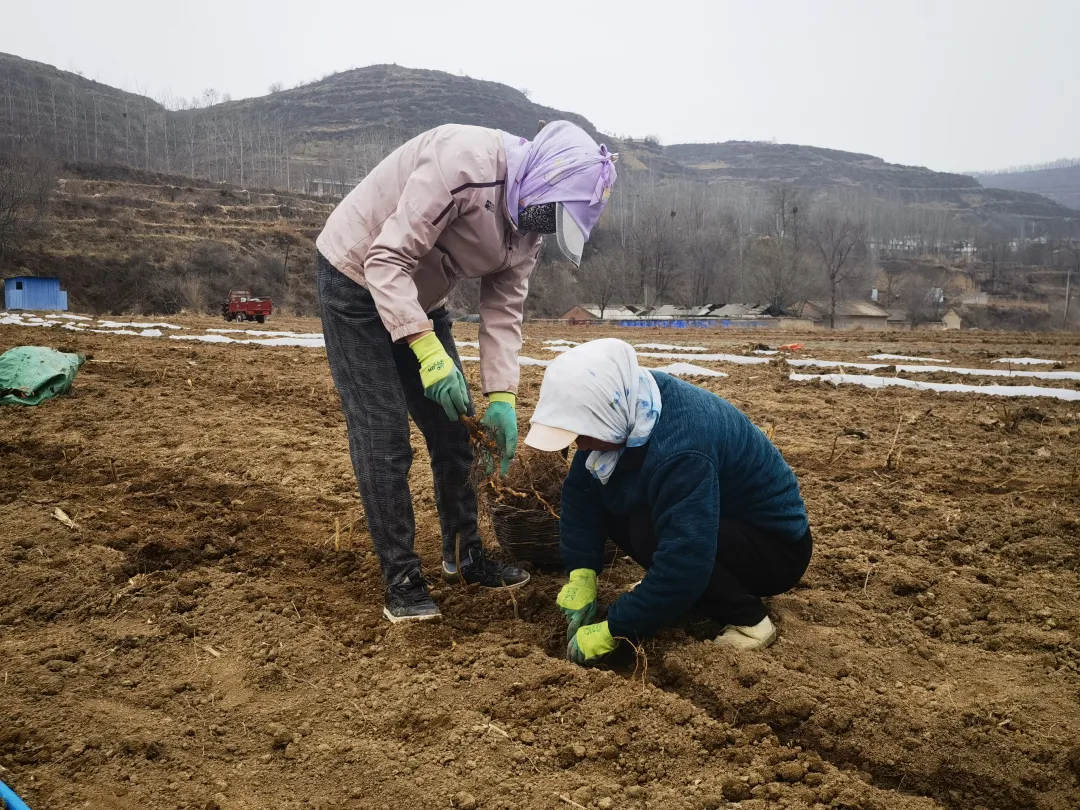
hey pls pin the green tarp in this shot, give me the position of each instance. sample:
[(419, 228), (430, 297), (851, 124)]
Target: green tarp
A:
[(29, 375)]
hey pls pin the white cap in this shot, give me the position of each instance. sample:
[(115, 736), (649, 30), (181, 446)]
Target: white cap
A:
[(550, 439), (569, 234)]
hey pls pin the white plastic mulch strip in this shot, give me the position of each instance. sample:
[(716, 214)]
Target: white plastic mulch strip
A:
[(798, 363), (766, 351), (558, 348), (204, 338), (122, 324), (718, 358), (73, 317), (870, 381), (305, 342), (667, 347), (1026, 361), (562, 342), (994, 372), (143, 333), (465, 343), (907, 369), (907, 357), (522, 361), (261, 333), (688, 370), (309, 343), (15, 320)]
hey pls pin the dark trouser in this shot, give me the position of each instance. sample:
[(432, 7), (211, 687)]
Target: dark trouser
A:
[(379, 384), (749, 564)]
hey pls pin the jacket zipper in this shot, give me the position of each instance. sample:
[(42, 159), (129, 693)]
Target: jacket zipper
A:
[(507, 236)]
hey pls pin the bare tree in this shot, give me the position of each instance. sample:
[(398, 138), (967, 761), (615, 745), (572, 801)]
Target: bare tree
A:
[(838, 241), (654, 245), (1070, 247), (602, 281), (709, 249), (925, 294), (786, 203), (776, 280), (26, 178), (995, 246)]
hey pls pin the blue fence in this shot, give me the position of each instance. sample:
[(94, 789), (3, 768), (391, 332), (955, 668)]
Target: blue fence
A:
[(709, 323)]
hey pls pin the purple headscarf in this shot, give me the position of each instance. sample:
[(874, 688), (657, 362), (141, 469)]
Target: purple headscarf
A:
[(562, 165)]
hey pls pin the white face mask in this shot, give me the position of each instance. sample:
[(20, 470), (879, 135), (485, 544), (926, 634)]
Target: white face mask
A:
[(570, 236)]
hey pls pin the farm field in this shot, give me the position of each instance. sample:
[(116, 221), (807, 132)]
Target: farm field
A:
[(208, 632)]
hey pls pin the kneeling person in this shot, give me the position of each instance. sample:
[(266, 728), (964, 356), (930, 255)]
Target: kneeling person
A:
[(684, 483)]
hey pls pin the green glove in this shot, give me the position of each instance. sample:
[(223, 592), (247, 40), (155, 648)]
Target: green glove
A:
[(501, 421), (577, 600), (442, 380), (591, 645)]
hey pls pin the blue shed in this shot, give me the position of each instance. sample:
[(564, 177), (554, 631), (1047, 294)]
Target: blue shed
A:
[(34, 292)]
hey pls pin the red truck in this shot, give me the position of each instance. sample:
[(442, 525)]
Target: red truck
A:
[(241, 306)]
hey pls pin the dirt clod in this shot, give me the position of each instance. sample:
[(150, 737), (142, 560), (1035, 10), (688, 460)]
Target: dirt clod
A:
[(791, 772)]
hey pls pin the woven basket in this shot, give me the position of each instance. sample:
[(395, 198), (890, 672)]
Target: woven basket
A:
[(530, 536), (533, 536)]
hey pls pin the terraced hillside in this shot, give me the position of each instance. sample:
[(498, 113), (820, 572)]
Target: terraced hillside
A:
[(124, 241)]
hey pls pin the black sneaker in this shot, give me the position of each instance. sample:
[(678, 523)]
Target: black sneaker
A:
[(477, 569), (409, 601)]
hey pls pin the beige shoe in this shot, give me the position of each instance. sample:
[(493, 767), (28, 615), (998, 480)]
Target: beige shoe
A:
[(758, 637)]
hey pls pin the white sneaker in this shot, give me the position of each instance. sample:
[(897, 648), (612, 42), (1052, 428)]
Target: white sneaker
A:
[(758, 637)]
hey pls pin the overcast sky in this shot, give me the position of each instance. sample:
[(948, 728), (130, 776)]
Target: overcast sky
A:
[(949, 84)]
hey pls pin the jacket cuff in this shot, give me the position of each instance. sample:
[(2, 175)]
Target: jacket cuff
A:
[(620, 630), (497, 386), (411, 328)]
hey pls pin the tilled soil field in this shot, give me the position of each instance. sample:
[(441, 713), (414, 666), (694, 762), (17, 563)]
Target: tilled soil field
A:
[(208, 633)]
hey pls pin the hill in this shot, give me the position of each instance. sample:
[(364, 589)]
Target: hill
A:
[(1060, 183), (346, 105), (333, 128), (79, 118), (321, 137), (128, 241), (818, 169)]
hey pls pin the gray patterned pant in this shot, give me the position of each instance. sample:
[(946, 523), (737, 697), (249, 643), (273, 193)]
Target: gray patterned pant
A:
[(379, 384)]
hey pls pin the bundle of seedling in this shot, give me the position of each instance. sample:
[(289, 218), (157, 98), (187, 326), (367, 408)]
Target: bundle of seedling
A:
[(523, 506)]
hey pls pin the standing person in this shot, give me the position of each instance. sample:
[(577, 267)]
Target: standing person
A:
[(457, 202), (683, 482)]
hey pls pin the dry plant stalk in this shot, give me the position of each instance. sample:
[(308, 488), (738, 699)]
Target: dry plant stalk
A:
[(893, 461), (832, 454)]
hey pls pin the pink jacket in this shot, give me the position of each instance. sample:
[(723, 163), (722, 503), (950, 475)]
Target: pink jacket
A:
[(431, 213)]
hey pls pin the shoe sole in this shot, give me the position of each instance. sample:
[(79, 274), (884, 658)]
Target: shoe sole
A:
[(455, 579), (428, 617)]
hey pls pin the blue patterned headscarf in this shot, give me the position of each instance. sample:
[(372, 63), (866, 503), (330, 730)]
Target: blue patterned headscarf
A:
[(597, 389)]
